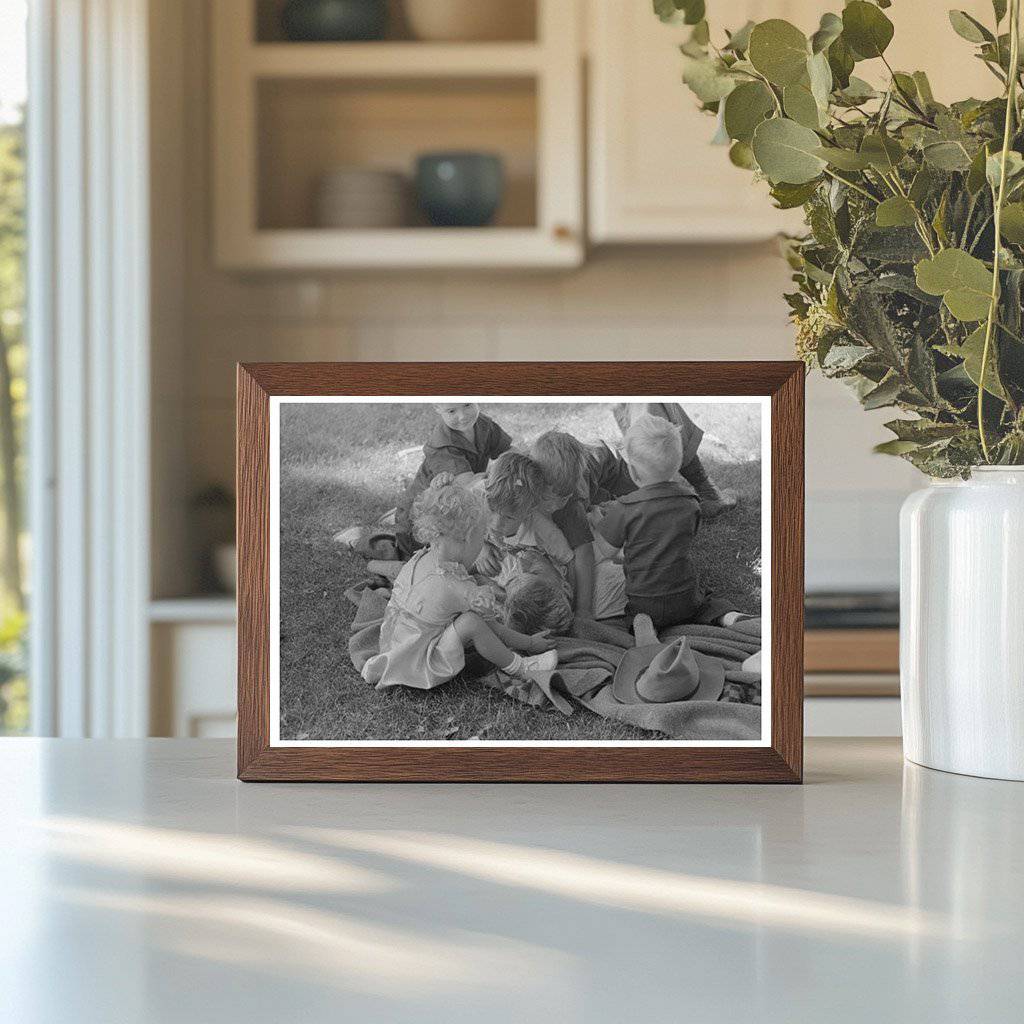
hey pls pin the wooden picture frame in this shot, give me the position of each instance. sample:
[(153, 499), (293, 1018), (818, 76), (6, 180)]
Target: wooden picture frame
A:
[(780, 759)]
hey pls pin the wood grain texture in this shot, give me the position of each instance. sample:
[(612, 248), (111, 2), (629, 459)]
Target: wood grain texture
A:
[(852, 650), (781, 762)]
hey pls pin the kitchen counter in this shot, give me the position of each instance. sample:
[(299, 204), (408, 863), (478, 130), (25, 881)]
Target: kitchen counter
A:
[(140, 882)]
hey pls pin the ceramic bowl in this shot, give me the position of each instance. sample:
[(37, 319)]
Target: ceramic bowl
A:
[(359, 197), (470, 20), (333, 21), (460, 189)]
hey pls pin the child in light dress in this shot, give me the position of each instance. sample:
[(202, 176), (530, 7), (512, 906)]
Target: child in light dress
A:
[(437, 610)]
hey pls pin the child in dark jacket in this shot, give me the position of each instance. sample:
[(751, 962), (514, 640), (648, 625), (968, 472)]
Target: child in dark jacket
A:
[(656, 526), (713, 501), (462, 442)]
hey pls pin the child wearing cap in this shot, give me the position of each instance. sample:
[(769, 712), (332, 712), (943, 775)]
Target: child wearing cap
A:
[(655, 527)]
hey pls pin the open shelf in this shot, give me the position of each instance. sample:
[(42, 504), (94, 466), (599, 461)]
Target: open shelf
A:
[(286, 114), (392, 60), (309, 127), (519, 24)]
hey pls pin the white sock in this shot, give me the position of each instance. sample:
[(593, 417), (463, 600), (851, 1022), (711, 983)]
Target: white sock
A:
[(521, 667)]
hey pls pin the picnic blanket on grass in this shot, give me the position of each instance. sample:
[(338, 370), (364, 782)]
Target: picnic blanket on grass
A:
[(586, 664)]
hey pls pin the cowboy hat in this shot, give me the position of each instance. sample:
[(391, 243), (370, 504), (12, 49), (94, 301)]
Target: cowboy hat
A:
[(662, 673)]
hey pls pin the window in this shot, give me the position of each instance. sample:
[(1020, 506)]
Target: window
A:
[(14, 693)]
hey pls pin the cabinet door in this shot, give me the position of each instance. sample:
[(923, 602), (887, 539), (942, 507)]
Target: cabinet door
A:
[(654, 176)]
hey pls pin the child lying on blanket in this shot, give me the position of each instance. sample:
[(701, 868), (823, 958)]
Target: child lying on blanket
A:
[(437, 610), (534, 603), (656, 526)]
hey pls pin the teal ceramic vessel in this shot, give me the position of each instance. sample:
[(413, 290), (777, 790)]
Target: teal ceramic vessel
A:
[(334, 21), (460, 189)]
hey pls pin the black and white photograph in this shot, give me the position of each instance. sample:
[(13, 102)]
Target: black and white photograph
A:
[(449, 571)]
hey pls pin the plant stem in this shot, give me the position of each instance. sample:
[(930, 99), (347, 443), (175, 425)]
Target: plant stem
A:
[(853, 185), (1011, 108)]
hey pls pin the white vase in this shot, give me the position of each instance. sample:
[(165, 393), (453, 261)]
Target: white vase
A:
[(962, 624)]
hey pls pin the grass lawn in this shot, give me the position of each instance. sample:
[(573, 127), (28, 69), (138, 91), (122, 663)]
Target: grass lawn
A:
[(343, 464)]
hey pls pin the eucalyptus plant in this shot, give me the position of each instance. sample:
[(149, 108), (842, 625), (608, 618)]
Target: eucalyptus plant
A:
[(910, 277)]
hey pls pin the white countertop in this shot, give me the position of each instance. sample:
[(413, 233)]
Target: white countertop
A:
[(140, 882)]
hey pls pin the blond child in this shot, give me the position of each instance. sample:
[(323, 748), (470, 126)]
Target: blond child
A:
[(436, 609), (655, 526)]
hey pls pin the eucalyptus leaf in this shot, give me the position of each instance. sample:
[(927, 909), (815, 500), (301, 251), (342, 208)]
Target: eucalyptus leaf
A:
[(924, 88), (972, 351), (895, 212), (690, 12), (947, 156), (993, 167), (829, 30), (745, 108), (841, 62), (779, 51), (969, 28), (866, 29), (976, 174), (857, 91), (739, 41), (895, 447), (1012, 223), (708, 80), (963, 281), (819, 75), (788, 196), (786, 151), (883, 152), (741, 155), (801, 106), (922, 430), (883, 395), (844, 159)]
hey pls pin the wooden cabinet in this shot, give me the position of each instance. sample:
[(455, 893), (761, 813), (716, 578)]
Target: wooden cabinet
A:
[(654, 177), (286, 114)]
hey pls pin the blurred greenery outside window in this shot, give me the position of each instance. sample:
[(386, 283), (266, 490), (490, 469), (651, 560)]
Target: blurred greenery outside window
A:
[(14, 539)]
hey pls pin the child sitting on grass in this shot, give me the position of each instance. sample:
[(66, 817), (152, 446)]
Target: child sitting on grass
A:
[(522, 538), (713, 502), (581, 477), (436, 610), (656, 527), (462, 442)]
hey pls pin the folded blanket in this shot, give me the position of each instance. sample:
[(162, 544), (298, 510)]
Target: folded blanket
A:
[(586, 665)]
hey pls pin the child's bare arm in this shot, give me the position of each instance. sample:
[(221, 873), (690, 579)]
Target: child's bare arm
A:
[(536, 644)]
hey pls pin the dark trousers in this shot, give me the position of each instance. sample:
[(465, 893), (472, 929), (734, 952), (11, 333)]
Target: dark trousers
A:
[(693, 605)]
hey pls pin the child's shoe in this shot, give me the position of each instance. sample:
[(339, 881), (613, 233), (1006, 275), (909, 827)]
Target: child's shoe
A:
[(526, 666)]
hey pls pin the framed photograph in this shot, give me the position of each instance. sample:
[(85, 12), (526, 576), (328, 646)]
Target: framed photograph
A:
[(520, 572)]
